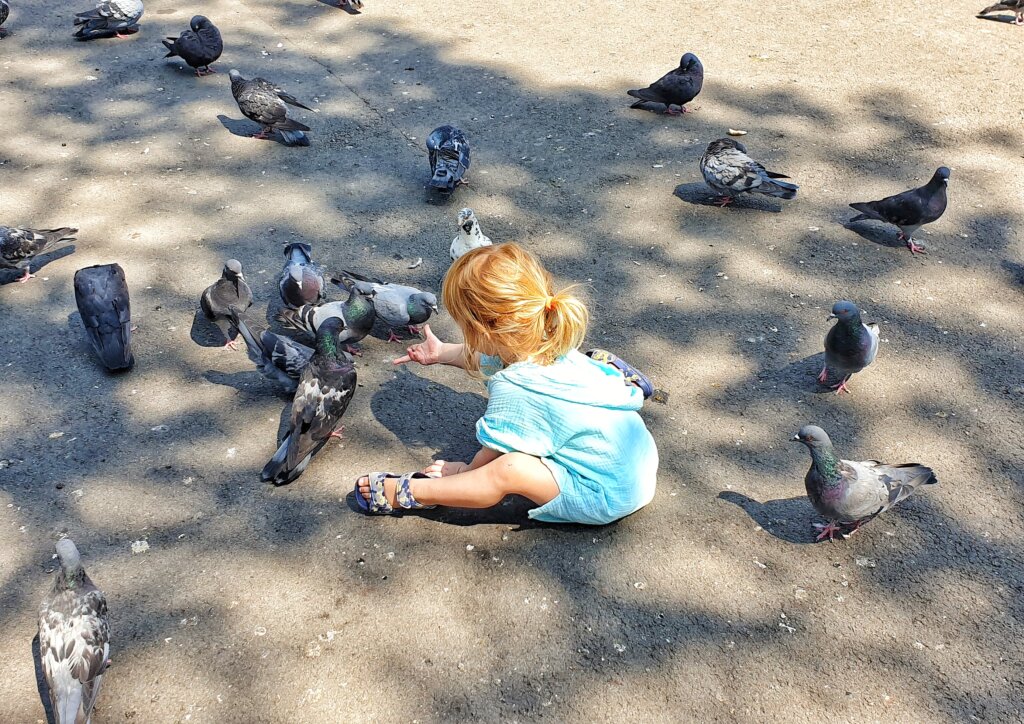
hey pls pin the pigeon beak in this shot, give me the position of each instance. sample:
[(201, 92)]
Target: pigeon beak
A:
[(436, 310), (831, 316), (795, 438)]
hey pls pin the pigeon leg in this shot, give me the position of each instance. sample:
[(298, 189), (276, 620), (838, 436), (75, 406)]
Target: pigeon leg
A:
[(915, 248), (462, 182), (338, 433), (392, 337), (352, 349), (1019, 20), (413, 329), (231, 344), (263, 133), (673, 109), (829, 530), (841, 387), (823, 377), (26, 276), (723, 201)]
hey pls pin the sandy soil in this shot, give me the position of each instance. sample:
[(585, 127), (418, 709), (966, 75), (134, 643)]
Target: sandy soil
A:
[(258, 604)]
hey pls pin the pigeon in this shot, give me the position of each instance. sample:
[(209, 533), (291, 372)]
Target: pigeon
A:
[(850, 345), (470, 237), (356, 313), (730, 171), (199, 46), (102, 296), (301, 281), (324, 393), (394, 304), (849, 493), (674, 89), (448, 150), (280, 359), (5, 10), (1014, 6), (18, 247), (227, 294), (909, 210), (110, 18), (74, 639), (263, 102), (352, 4)]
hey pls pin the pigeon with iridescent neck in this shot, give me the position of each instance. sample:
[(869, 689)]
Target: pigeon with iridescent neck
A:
[(356, 313), (852, 493), (301, 281), (395, 305), (850, 346), (324, 393), (470, 236), (18, 247), (74, 639), (909, 210), (278, 358)]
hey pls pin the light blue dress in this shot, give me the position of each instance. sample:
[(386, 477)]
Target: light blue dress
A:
[(579, 417)]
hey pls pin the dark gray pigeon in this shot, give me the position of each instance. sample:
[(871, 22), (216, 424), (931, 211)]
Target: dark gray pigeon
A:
[(101, 292), (674, 89), (730, 171), (448, 151), (227, 294), (18, 247), (394, 304), (850, 345), (1014, 6), (356, 313), (280, 359), (261, 101), (301, 281), (849, 493), (110, 18), (5, 10), (199, 46), (324, 393), (74, 639), (909, 210)]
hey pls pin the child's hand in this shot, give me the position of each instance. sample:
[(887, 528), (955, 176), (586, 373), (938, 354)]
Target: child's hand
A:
[(427, 352), (441, 469)]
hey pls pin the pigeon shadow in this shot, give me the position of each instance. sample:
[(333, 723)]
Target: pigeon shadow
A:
[(37, 264), (250, 383), (786, 519), (248, 129), (1017, 270), (877, 232), (341, 5), (803, 375), (1002, 19), (207, 334), (700, 194), (425, 414), (41, 686)]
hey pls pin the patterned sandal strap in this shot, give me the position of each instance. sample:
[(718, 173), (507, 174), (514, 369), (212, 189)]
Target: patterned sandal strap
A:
[(378, 502), (632, 374), (403, 496)]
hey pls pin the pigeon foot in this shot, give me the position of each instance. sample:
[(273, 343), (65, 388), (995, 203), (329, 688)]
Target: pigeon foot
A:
[(392, 337), (26, 276), (262, 135), (352, 349), (230, 345), (723, 201), (338, 433), (915, 248), (413, 329), (823, 377), (829, 530), (842, 387)]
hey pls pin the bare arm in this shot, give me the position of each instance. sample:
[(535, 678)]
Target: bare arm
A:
[(432, 351)]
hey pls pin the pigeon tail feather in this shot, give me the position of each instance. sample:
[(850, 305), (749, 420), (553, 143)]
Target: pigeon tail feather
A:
[(169, 44), (294, 137), (867, 211), (779, 189)]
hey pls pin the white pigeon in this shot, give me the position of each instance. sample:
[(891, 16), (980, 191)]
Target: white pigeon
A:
[(74, 639), (470, 237)]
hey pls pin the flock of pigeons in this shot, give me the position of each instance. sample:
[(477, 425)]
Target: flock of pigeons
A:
[(73, 629)]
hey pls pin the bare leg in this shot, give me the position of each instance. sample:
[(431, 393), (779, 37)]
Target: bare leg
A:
[(842, 386), (829, 530), (512, 473)]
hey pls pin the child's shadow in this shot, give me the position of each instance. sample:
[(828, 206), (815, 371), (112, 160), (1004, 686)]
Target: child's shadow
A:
[(423, 413)]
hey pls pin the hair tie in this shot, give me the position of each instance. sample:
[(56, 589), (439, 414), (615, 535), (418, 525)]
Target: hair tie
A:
[(549, 304)]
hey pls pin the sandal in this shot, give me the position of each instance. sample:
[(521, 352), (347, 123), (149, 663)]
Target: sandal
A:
[(378, 502), (632, 374)]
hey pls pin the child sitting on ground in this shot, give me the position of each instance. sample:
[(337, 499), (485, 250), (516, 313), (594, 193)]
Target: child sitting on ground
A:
[(560, 429)]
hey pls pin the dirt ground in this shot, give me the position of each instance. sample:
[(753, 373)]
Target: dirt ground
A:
[(256, 604)]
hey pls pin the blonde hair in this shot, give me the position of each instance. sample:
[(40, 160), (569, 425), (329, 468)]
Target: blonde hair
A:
[(503, 301)]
